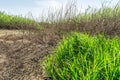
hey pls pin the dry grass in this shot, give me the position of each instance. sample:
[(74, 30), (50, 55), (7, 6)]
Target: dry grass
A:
[(105, 20)]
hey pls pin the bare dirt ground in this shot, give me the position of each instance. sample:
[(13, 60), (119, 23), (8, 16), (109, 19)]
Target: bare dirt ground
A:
[(20, 54)]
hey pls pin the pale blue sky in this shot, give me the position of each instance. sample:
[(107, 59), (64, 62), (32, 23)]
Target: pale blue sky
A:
[(36, 7)]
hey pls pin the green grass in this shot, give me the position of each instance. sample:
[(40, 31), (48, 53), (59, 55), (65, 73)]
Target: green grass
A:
[(84, 57), (102, 13), (17, 22)]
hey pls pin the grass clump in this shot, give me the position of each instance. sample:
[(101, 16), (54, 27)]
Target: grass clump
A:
[(82, 57), (16, 22)]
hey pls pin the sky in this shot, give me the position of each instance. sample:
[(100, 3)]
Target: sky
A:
[(36, 8)]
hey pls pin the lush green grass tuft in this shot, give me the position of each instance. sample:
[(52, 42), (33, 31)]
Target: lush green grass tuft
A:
[(83, 57), (16, 22)]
